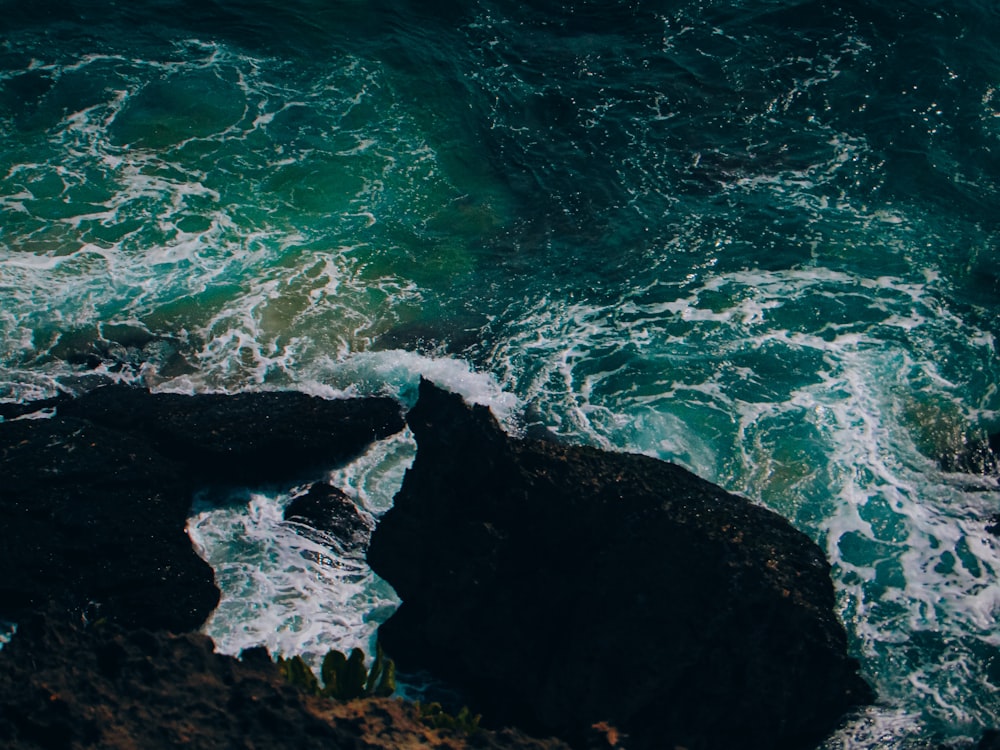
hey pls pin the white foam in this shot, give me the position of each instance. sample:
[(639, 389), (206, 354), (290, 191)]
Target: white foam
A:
[(281, 590), (265, 319), (398, 372), (876, 726), (374, 478)]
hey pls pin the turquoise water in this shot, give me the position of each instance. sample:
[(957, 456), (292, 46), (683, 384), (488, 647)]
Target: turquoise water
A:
[(760, 239)]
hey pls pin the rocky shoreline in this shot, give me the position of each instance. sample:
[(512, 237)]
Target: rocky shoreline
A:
[(607, 599), (95, 498), (564, 586)]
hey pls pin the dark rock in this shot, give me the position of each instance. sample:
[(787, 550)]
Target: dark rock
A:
[(95, 520), (15, 410), (62, 685), (94, 501), (328, 510), (246, 437), (66, 685), (123, 349), (96, 563), (990, 740), (450, 336), (562, 586)]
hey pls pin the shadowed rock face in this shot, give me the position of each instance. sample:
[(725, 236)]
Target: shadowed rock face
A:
[(66, 685), (94, 501), (562, 586), (94, 520)]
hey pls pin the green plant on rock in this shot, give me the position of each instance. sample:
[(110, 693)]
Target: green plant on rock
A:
[(297, 672), (381, 680), (434, 716), (344, 677)]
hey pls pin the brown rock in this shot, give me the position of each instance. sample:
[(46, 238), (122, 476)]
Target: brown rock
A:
[(66, 685)]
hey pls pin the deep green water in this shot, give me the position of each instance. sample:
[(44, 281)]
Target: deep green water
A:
[(758, 238)]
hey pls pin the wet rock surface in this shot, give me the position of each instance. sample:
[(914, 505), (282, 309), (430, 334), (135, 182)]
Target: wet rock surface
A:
[(94, 500), (563, 586), (327, 515)]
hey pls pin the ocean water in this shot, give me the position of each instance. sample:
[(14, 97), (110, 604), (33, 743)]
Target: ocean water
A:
[(760, 238)]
